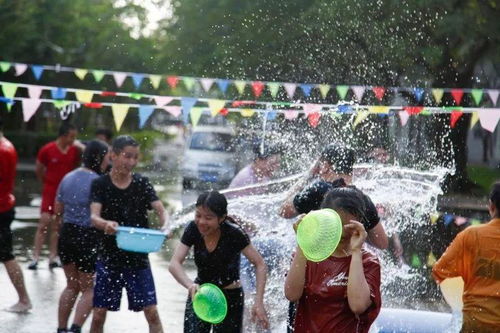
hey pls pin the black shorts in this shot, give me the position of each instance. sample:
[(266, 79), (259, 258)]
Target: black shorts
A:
[(6, 219), (78, 245)]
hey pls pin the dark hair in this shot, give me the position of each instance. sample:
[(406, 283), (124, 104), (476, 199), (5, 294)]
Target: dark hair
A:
[(340, 157), (214, 201), (107, 133), (122, 141), (1, 123), (495, 196), (93, 155), (263, 151), (65, 128), (348, 199)]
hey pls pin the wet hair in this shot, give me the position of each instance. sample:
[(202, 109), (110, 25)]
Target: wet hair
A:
[(107, 133), (214, 201), (340, 157), (65, 128), (265, 151), (122, 141), (495, 196), (348, 199), (94, 154)]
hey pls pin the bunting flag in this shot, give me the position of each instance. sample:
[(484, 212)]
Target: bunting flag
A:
[(189, 83), (413, 110), (136, 96), (29, 108), (119, 113), (162, 100), (215, 105), (4, 66), (61, 103), (291, 114), (415, 261), (489, 119), (223, 85), (273, 88), (224, 112), (323, 89), (172, 81), (206, 84), (58, 93), (403, 117), (342, 91), (81, 73), (271, 115), (173, 110), (257, 88), (313, 119), (145, 111), (455, 115), (438, 95), (20, 69), (195, 115), (344, 108), (379, 92), (137, 80), (306, 88), (457, 95), (240, 86), (359, 91), (35, 91), (378, 109), (431, 259), (187, 103), (84, 96), (477, 95), (9, 90), (290, 89), (362, 115), (155, 81), (419, 94), (98, 75), (119, 78), (37, 71), (493, 95), (474, 119), (311, 108)]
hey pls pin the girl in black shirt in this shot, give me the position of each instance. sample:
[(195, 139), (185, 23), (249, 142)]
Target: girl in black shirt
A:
[(218, 242)]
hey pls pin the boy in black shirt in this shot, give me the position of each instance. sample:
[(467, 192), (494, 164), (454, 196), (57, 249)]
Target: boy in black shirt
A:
[(123, 198)]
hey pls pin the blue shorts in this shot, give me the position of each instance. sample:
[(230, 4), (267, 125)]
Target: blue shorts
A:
[(110, 282)]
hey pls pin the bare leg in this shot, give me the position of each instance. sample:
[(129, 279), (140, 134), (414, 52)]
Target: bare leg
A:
[(98, 320), (41, 232), (153, 318), (54, 237), (69, 295), (84, 305), (16, 276)]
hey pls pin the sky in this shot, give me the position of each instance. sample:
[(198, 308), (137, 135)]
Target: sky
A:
[(156, 10)]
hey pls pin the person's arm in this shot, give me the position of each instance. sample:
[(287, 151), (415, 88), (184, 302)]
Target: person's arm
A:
[(161, 213), (109, 227), (58, 212), (175, 268), (296, 277), (258, 310), (452, 262), (377, 237), (40, 171)]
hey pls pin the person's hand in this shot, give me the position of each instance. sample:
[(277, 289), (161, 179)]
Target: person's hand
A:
[(296, 224), (193, 288), (259, 315), (397, 247), (358, 234), (314, 170), (111, 228)]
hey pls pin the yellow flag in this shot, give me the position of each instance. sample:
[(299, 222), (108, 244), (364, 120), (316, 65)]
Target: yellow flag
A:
[(247, 112), (324, 89), (378, 109), (215, 105), (474, 119), (80, 73), (431, 259), (362, 115), (240, 85), (119, 113), (155, 80), (438, 95), (84, 96), (195, 115)]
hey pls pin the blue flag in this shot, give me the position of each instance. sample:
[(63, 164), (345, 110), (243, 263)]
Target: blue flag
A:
[(223, 84), (137, 79), (306, 88), (187, 104), (145, 111), (58, 93), (37, 71)]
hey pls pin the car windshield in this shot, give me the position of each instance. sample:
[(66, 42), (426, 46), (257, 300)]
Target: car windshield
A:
[(211, 141)]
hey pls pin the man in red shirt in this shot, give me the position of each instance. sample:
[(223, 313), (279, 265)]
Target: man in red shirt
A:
[(54, 161), (8, 161)]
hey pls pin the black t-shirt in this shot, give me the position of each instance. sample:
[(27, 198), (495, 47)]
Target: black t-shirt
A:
[(221, 266), (129, 207), (311, 197)]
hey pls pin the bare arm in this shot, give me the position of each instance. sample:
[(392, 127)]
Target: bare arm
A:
[(377, 237), (175, 268), (162, 214), (40, 171), (287, 209), (109, 227), (58, 212), (296, 277)]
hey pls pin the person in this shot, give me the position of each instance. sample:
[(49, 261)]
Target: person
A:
[(342, 292), (217, 243), (54, 161), (77, 246), (103, 134), (123, 198), (474, 255), (8, 161)]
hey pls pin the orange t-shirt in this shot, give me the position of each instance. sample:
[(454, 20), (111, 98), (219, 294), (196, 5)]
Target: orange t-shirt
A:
[(475, 256)]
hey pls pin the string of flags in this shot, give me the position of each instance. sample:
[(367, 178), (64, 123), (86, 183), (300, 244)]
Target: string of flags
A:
[(189, 107), (257, 87)]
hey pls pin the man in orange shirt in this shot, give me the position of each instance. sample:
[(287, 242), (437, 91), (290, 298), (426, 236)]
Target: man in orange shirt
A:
[(475, 256)]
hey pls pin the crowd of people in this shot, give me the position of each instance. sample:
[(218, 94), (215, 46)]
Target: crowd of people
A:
[(91, 188)]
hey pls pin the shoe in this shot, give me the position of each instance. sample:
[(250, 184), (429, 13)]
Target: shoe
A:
[(55, 264), (33, 265)]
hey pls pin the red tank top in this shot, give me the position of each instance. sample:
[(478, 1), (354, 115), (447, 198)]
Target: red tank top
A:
[(8, 161)]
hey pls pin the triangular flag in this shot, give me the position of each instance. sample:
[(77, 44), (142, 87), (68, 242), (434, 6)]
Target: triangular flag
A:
[(247, 112), (80, 73), (84, 96), (189, 82), (61, 103), (240, 86), (477, 95), (306, 88), (162, 100), (362, 115), (493, 95), (136, 96), (415, 261), (359, 91), (344, 108), (37, 71), (137, 79), (323, 89), (34, 91), (474, 119), (119, 78), (215, 105), (379, 92), (195, 115), (413, 110), (313, 119), (455, 115), (257, 88), (223, 84), (58, 93), (290, 89), (311, 108), (431, 259), (145, 112), (271, 115), (403, 117), (98, 75), (457, 95), (489, 119), (273, 88), (4, 66), (342, 91), (378, 109), (187, 103), (155, 81), (93, 105), (206, 84), (224, 112), (9, 90), (173, 110), (119, 113), (419, 94), (437, 94), (173, 80), (291, 114), (29, 108), (20, 69)]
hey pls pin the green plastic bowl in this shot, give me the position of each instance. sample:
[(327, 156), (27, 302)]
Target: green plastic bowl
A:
[(318, 234), (210, 304)]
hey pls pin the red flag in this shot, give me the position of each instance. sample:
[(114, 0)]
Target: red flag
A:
[(413, 110), (455, 115), (93, 105), (240, 103), (457, 95), (172, 81), (257, 88), (224, 112), (379, 92), (108, 93), (313, 119)]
